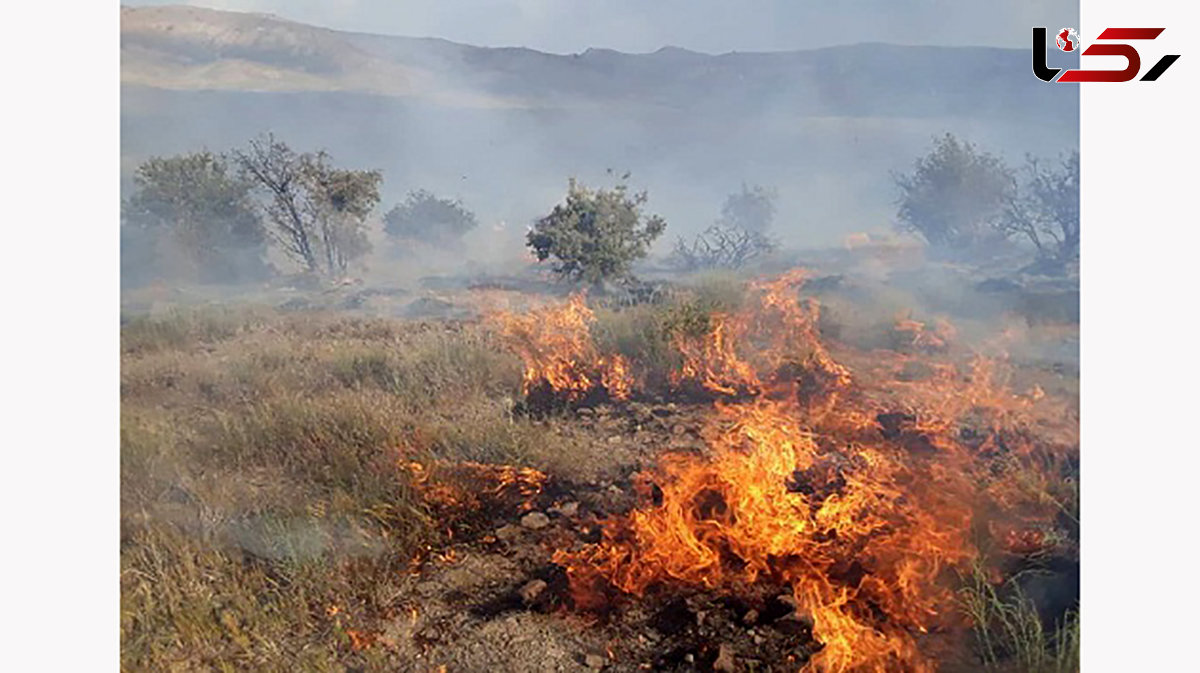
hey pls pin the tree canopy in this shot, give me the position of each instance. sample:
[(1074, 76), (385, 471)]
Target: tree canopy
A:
[(596, 235)]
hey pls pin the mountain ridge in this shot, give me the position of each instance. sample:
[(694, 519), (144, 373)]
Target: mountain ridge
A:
[(503, 127)]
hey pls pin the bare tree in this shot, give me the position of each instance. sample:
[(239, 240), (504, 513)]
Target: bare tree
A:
[(722, 247), (318, 212), (1045, 209)]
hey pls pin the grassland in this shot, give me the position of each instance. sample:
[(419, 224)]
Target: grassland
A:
[(264, 521)]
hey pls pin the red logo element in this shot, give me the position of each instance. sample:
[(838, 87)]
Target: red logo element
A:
[(1067, 40)]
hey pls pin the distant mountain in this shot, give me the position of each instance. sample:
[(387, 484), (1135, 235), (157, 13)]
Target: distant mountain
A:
[(824, 125)]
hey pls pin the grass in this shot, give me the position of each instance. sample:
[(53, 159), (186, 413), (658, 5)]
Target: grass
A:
[(644, 334), (1010, 635), (265, 520)]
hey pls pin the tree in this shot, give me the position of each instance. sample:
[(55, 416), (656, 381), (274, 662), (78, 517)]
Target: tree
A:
[(425, 217), (1045, 209), (318, 212), (190, 215), (596, 235), (752, 209), (954, 194), (722, 247)]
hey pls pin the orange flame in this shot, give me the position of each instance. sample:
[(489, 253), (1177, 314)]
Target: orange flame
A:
[(818, 484), (556, 346)]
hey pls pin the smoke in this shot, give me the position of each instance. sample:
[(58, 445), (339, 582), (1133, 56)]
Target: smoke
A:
[(503, 129)]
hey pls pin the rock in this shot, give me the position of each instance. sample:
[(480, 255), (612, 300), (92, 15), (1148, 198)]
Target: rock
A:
[(594, 661), (584, 411), (530, 592), (535, 520), (508, 532), (615, 439), (750, 618), (725, 660), (567, 509), (689, 657)]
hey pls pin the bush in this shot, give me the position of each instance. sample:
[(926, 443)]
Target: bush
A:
[(596, 235), (954, 194), (190, 217), (425, 217), (752, 209)]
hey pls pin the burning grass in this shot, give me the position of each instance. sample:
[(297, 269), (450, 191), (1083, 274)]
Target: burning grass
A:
[(287, 481), (860, 501)]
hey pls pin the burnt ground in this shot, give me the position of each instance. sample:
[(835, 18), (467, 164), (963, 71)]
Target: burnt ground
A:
[(494, 600)]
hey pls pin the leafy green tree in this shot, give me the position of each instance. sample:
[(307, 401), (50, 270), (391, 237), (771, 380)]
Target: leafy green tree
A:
[(317, 212), (752, 209), (954, 194), (1045, 209), (191, 216), (596, 235), (425, 217)]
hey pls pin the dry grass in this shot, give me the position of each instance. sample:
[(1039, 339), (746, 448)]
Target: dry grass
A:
[(1010, 635), (264, 520)]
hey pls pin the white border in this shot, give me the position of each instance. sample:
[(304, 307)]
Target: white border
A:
[(1140, 260), (1140, 405), (61, 473)]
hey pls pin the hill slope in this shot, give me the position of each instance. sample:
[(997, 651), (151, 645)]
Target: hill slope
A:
[(503, 127)]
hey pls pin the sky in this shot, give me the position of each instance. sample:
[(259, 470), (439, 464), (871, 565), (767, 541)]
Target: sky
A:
[(711, 26)]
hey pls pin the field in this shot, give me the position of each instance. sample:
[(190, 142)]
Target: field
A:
[(309, 486)]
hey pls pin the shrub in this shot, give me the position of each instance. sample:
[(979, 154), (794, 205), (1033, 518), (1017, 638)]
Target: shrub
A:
[(752, 209), (954, 194), (722, 247), (190, 217), (425, 217), (596, 235)]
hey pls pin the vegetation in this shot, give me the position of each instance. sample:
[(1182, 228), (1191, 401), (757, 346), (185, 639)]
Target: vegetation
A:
[(954, 194), (193, 217), (722, 247), (317, 212), (596, 235), (1045, 209), (264, 521), (752, 209), (425, 217), (1008, 629)]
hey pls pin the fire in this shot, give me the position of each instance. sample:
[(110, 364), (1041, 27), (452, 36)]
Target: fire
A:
[(711, 360), (846, 527), (817, 484), (556, 346), (859, 491)]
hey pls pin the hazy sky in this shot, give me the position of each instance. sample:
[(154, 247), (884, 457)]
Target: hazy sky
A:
[(714, 26)]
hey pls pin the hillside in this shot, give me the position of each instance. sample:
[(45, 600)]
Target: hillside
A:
[(824, 125)]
